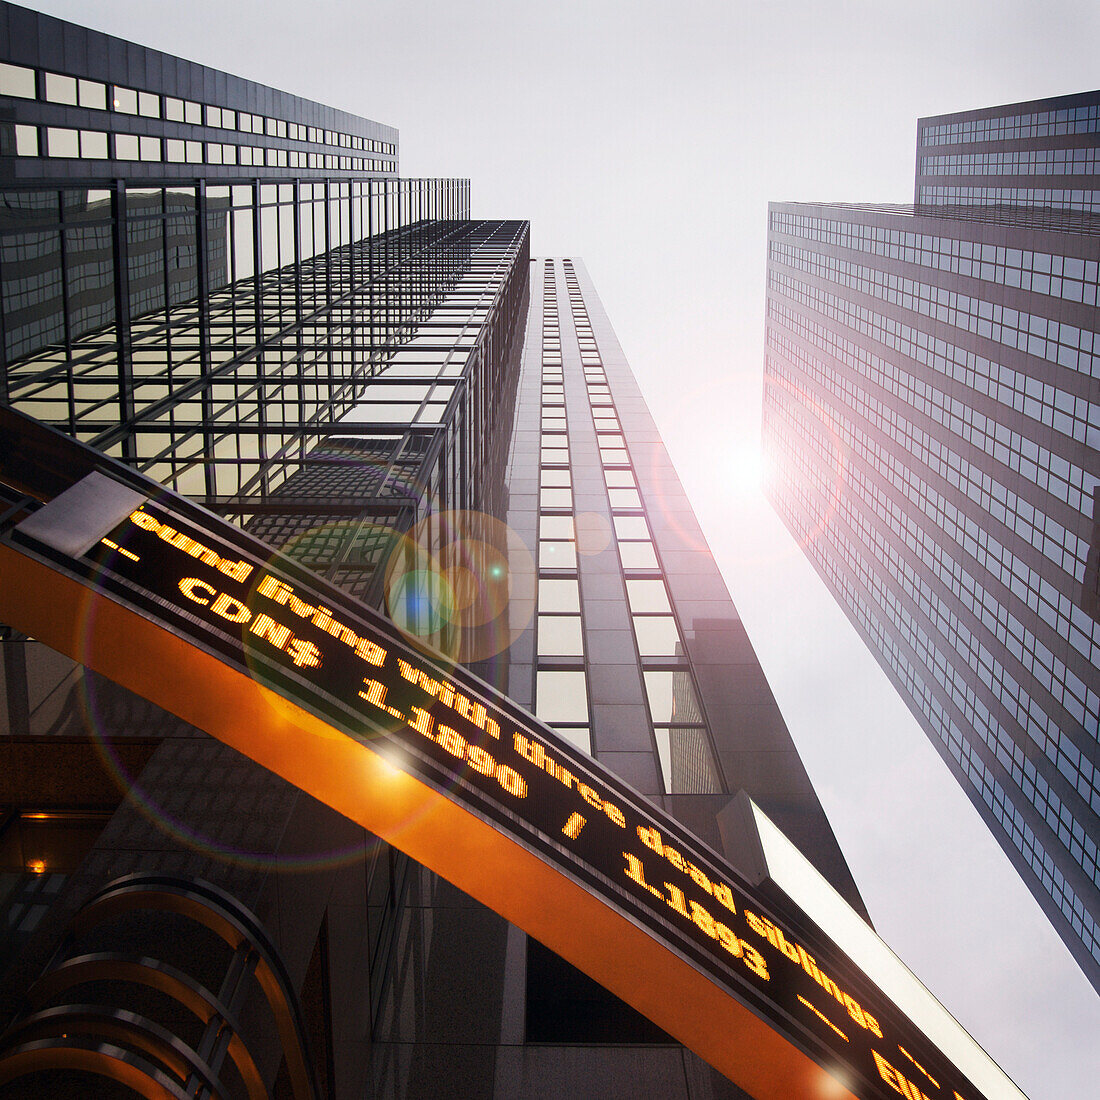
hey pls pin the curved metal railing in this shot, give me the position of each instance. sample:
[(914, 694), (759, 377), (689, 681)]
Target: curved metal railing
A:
[(86, 1036)]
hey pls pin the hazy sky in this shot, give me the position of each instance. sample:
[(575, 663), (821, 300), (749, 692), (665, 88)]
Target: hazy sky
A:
[(647, 138)]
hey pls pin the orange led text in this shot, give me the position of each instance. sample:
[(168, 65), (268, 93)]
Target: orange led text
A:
[(304, 654)]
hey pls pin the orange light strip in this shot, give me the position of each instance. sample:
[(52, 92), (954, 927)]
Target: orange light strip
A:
[(821, 1016), (919, 1066)]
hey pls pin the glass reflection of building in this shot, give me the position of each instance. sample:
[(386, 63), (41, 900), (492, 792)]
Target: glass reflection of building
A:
[(231, 289), (932, 409)]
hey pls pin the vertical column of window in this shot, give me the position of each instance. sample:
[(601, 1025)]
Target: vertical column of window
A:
[(18, 82), (679, 730), (561, 684)]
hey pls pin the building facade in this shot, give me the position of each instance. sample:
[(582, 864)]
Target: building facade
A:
[(1040, 155), (231, 290), (932, 421)]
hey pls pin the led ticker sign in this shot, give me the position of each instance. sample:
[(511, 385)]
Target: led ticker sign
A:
[(481, 792)]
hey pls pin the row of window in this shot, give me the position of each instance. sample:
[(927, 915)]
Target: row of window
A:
[(59, 142), (1035, 391), (1060, 545), (963, 418), (1067, 120), (945, 626), (1068, 481), (1057, 198), (1064, 344), (561, 694), (1043, 272), (803, 511), (961, 587), (1024, 162), (58, 280), (76, 381), (952, 643), (561, 691), (683, 744), (21, 82), (977, 774)]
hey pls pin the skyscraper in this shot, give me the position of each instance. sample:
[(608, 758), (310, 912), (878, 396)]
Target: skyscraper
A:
[(932, 419), (220, 303)]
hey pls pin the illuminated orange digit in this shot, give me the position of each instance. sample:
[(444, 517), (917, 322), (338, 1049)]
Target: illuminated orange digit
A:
[(511, 781), (703, 920), (480, 760), (635, 871), (727, 939), (451, 740), (676, 899), (754, 960)]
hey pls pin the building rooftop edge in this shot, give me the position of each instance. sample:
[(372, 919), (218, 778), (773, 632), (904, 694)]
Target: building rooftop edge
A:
[(64, 53), (1026, 106)]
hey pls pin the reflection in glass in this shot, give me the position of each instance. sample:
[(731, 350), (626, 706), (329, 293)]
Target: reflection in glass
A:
[(557, 555), (556, 527), (657, 635)]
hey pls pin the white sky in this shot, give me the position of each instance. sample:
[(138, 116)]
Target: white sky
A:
[(647, 138)]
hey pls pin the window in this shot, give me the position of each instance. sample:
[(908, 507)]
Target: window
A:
[(556, 527), (560, 636), (561, 696), (557, 555), (647, 596), (637, 555), (559, 594), (126, 147), (126, 101), (555, 498), (624, 498), (93, 145), (93, 94), (657, 636), (17, 81), (62, 143), (26, 141), (60, 89), (631, 527)]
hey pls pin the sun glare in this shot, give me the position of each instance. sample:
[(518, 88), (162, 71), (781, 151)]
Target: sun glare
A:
[(745, 472)]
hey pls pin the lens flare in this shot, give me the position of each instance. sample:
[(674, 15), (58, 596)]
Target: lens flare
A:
[(462, 584), (831, 453), (593, 532), (110, 713), (112, 716), (421, 601)]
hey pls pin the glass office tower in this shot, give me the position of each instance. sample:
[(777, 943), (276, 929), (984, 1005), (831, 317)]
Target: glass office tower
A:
[(932, 419), (1040, 155), (231, 290)]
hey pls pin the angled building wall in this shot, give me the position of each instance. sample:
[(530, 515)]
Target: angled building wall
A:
[(932, 419)]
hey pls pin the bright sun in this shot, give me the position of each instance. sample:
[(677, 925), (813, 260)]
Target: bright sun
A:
[(744, 471)]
